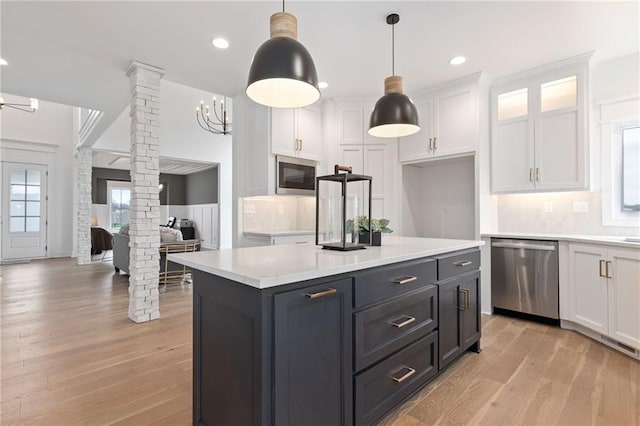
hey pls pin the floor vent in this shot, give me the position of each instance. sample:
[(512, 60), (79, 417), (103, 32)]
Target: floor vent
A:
[(620, 345)]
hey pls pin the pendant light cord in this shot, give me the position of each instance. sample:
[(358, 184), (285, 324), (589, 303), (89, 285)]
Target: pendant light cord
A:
[(282, 6), (393, 49)]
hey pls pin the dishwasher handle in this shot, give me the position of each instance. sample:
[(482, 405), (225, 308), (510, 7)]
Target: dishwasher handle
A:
[(526, 246)]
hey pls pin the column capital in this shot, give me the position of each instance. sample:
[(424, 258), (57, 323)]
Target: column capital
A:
[(135, 66)]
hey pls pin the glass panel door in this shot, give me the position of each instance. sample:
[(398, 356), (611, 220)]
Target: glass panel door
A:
[(558, 94), (513, 104)]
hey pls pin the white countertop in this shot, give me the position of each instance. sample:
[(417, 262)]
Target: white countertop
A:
[(278, 233), (270, 266), (598, 239)]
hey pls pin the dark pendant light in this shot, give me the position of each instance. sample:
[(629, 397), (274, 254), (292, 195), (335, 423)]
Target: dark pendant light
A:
[(394, 115), (282, 73)]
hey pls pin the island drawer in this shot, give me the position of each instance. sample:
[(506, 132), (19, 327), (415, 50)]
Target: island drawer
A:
[(386, 282), (456, 263), (385, 328), (382, 387)]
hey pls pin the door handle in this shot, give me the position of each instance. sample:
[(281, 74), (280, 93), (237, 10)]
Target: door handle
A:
[(465, 299), (530, 174), (399, 324), (405, 376), (301, 144), (461, 263), (430, 146), (435, 143), (601, 264), (321, 293), (608, 272), (404, 280), (537, 174)]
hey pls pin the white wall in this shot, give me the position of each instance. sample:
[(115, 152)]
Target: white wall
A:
[(50, 129), (439, 199), (182, 138)]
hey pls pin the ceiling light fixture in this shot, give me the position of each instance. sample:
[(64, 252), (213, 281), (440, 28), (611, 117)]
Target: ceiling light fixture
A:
[(282, 74), (458, 60), (220, 43), (32, 106), (394, 115), (3, 62), (323, 85), (220, 125)]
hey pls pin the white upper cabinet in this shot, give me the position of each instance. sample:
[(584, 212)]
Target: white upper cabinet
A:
[(448, 125), (539, 135), (353, 124), (296, 132)]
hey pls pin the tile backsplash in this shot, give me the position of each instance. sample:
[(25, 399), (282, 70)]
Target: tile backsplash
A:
[(556, 213), (278, 213)]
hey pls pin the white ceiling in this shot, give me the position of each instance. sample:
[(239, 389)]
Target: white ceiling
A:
[(77, 53)]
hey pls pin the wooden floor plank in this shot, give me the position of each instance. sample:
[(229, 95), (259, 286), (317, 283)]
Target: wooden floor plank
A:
[(69, 355)]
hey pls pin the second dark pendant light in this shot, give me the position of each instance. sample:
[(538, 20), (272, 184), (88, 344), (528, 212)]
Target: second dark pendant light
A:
[(394, 115)]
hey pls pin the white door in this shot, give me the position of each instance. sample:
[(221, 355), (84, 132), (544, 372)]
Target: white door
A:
[(587, 277), (24, 209), (418, 145), (309, 133), (283, 139), (624, 296)]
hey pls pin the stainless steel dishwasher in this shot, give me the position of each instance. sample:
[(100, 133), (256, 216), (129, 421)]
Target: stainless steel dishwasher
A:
[(524, 277)]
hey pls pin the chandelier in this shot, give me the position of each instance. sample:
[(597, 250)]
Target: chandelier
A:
[(217, 124), (32, 106)]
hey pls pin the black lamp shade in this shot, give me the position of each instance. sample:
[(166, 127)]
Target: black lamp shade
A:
[(283, 75), (394, 116)]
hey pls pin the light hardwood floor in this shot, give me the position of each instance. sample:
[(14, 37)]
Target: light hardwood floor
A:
[(71, 356)]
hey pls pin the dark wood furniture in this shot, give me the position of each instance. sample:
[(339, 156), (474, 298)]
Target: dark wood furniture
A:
[(338, 350)]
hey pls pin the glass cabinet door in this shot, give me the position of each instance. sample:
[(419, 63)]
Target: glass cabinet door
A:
[(558, 94), (513, 104)]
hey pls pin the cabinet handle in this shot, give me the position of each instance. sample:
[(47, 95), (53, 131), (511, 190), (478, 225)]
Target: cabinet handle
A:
[(404, 280), (537, 174), (407, 321), (601, 274), (430, 144), (465, 299), (404, 377), (530, 174), (321, 293), (301, 144), (463, 263), (435, 143), (608, 272)]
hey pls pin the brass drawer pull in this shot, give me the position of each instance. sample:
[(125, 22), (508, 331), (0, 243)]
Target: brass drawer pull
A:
[(405, 280), (407, 321), (401, 379), (321, 293), (601, 274), (463, 263), (609, 272)]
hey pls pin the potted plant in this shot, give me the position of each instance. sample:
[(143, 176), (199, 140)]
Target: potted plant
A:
[(379, 227)]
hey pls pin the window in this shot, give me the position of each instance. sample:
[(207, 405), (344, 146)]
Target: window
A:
[(25, 201), (630, 168), (119, 198)]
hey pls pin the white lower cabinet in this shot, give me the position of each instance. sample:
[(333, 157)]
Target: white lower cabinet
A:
[(604, 291)]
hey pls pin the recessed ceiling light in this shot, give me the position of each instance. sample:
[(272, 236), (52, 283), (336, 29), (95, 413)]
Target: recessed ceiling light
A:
[(458, 60), (220, 43), (323, 85), (3, 62)]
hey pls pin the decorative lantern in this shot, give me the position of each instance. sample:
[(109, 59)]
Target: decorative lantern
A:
[(340, 209)]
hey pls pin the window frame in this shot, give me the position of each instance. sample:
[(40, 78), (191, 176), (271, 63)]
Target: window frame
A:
[(115, 185), (623, 209)]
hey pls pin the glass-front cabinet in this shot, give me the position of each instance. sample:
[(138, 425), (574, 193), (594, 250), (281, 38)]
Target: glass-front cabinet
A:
[(539, 139)]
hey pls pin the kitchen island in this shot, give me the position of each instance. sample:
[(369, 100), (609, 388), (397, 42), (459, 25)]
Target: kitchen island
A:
[(297, 335)]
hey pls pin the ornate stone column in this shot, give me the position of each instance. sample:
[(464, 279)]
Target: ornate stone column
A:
[(145, 202)]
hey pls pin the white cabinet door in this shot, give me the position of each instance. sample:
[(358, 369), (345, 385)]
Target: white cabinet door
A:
[(454, 126), (351, 155), (379, 164), (309, 133), (512, 168), (588, 282), (350, 124), (283, 132), (419, 145), (624, 296)]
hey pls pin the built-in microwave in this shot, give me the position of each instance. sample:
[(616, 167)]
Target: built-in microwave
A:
[(295, 176)]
